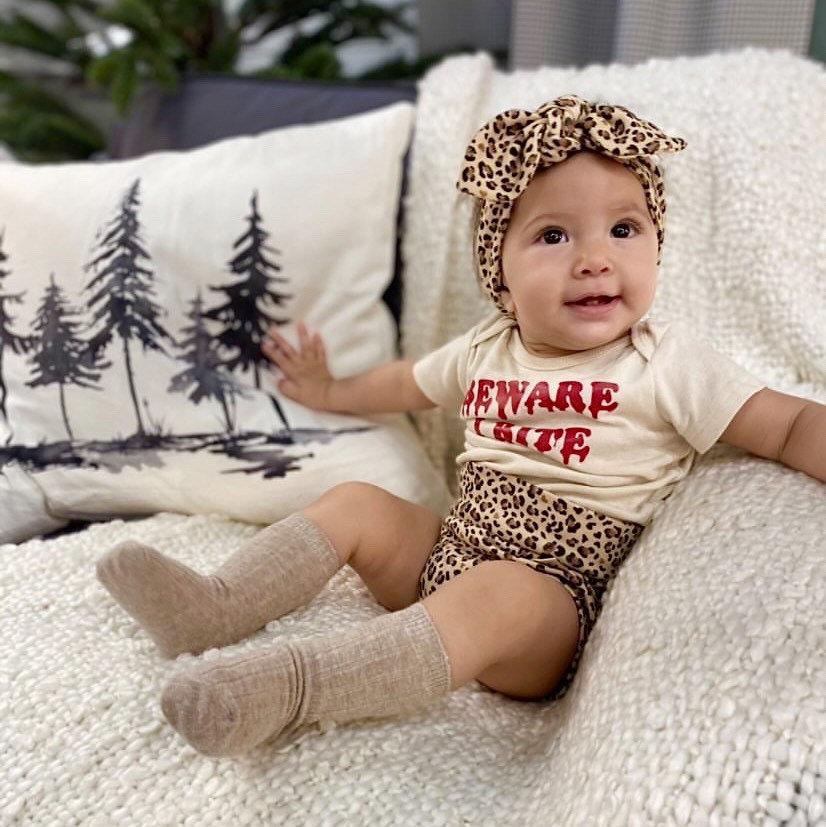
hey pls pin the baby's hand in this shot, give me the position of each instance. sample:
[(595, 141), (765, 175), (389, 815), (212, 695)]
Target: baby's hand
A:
[(308, 380)]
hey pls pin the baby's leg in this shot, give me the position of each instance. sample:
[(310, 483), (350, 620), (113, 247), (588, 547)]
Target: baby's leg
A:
[(498, 614), (510, 627), (385, 538)]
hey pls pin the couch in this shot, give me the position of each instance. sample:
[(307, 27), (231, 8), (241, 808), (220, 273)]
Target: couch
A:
[(701, 698)]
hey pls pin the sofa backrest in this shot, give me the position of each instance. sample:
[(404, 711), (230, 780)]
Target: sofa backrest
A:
[(209, 108)]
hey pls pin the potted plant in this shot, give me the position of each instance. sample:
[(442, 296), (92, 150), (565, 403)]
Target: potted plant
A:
[(104, 51)]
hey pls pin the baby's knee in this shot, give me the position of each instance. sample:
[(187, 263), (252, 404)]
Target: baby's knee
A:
[(356, 491), (348, 508)]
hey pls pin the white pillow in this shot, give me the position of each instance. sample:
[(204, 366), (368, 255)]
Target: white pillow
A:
[(119, 254)]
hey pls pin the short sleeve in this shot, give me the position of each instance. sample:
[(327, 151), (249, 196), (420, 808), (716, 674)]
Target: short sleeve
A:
[(698, 389), (441, 373)]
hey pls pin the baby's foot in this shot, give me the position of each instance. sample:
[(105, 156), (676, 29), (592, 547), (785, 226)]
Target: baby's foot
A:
[(282, 567), (228, 707), (393, 663), (179, 609)]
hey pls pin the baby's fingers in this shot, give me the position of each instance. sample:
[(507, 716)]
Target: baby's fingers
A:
[(318, 345), (279, 342), (284, 364), (287, 387), (304, 337)]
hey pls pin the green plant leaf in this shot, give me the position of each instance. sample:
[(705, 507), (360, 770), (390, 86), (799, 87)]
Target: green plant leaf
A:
[(90, 6), (319, 62), (195, 15), (102, 69), (36, 134), (279, 14), (52, 130), (22, 94), (223, 53), (137, 15), (399, 68), (67, 9), (363, 19), (24, 33), (172, 46), (125, 82)]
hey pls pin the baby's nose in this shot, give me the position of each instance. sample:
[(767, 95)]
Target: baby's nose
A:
[(591, 266)]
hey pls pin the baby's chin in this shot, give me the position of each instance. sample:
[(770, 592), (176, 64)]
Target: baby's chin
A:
[(575, 335), (584, 332), (559, 346)]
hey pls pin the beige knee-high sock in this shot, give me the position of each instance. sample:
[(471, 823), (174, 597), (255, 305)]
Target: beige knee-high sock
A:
[(392, 664), (282, 567)]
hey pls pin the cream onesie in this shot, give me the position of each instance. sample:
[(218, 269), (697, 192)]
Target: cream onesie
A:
[(614, 428)]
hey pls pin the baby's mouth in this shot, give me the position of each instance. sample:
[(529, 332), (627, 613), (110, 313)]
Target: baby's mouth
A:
[(592, 301)]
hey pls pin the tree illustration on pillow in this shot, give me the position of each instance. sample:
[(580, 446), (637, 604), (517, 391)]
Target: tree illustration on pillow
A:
[(244, 317), (123, 310), (204, 375), (60, 355), (123, 303), (8, 339)]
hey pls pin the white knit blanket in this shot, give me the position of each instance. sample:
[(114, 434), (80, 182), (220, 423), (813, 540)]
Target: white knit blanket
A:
[(701, 696)]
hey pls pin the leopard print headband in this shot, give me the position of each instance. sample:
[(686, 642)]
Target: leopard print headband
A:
[(506, 153)]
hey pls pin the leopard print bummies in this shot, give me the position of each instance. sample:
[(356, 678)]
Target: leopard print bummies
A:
[(502, 517)]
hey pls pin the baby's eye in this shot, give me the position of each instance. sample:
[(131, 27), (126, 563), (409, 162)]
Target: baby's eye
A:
[(625, 228), (552, 235)]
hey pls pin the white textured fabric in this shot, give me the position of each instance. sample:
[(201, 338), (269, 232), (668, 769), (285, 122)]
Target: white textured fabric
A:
[(702, 690), (744, 259), (25, 512)]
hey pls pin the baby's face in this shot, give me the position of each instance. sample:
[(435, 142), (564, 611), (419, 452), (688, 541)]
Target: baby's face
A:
[(580, 227)]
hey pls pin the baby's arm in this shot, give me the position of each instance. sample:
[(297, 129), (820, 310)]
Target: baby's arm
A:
[(782, 427), (386, 388)]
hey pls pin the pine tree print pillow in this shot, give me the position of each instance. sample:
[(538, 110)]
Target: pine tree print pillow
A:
[(134, 297)]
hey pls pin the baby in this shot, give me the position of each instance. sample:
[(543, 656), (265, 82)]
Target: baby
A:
[(581, 417)]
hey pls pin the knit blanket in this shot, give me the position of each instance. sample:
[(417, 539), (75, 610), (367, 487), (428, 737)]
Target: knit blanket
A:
[(701, 696)]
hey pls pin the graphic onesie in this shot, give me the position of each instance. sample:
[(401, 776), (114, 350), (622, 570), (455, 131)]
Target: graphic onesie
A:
[(566, 459)]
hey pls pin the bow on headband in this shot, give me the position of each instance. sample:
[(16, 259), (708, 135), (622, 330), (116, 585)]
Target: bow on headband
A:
[(506, 153)]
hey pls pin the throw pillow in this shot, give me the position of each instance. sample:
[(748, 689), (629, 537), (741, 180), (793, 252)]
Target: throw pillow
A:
[(134, 296)]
